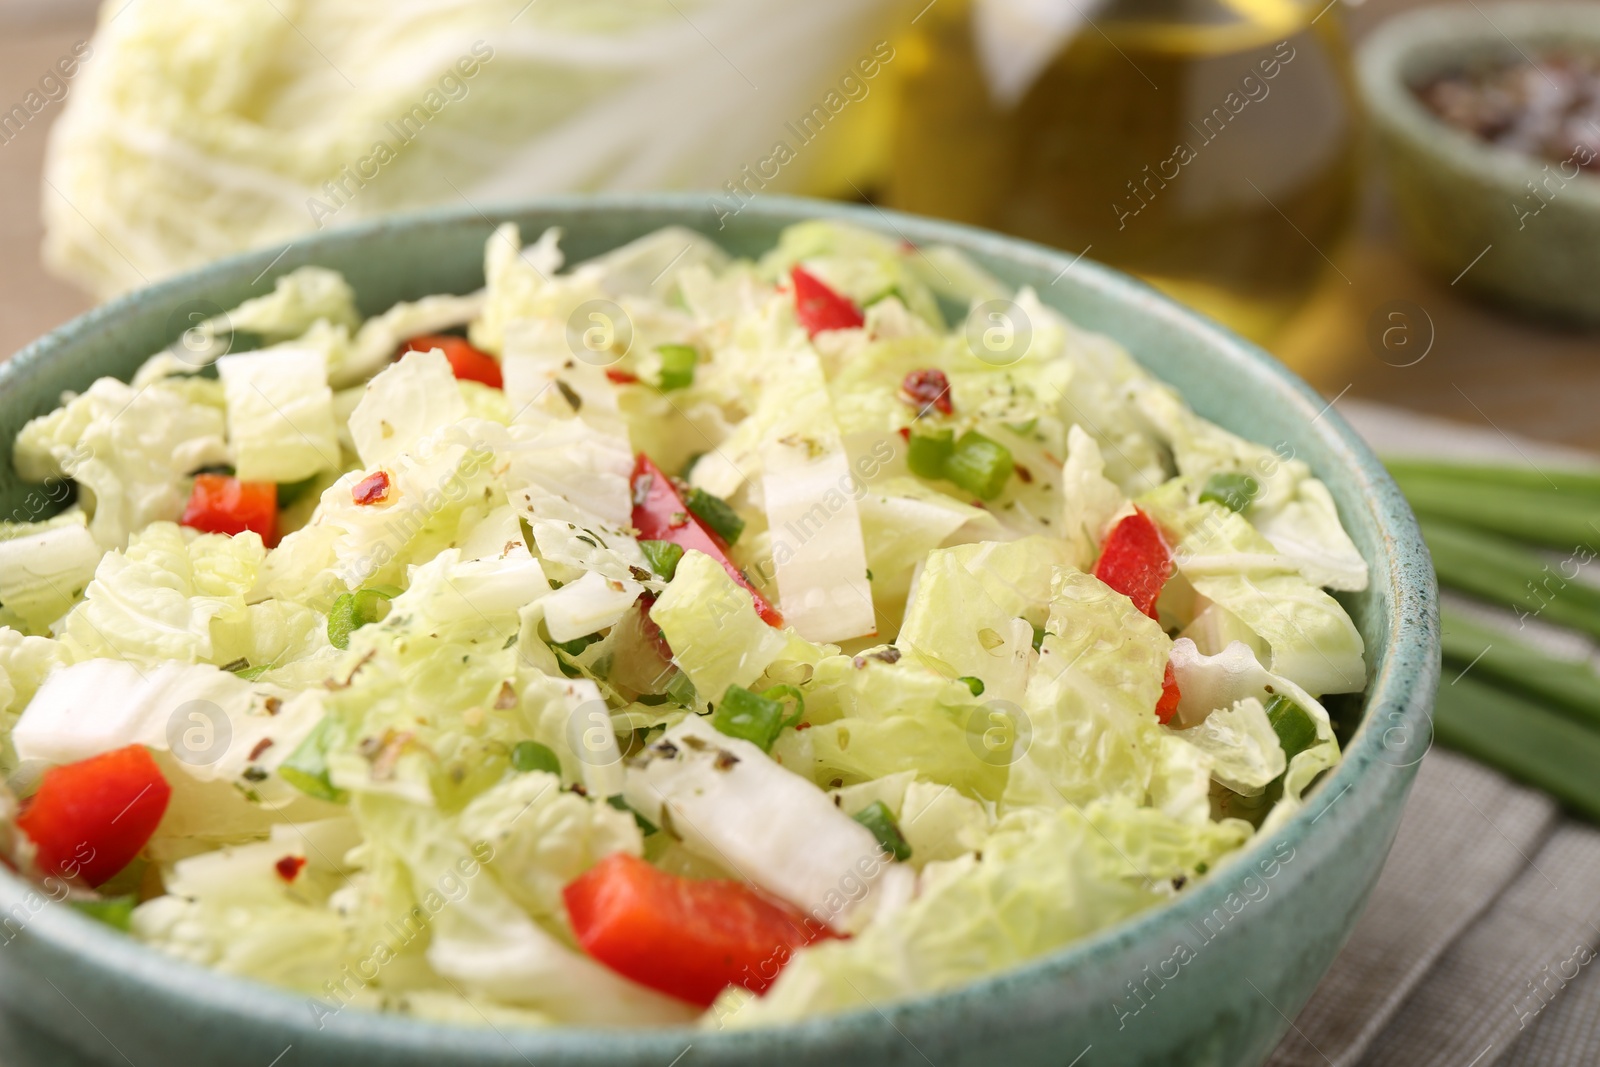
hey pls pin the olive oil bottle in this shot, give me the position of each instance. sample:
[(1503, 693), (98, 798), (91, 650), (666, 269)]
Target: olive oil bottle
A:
[(1206, 145)]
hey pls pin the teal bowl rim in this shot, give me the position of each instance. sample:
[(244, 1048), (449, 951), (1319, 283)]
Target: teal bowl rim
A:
[(1452, 33), (1404, 687)]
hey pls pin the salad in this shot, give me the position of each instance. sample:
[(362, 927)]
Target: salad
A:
[(671, 638)]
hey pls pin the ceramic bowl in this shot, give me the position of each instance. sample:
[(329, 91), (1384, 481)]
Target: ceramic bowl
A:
[(1255, 936), (1514, 229)]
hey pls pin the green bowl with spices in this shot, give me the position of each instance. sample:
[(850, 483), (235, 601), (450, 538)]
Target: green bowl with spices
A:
[(1520, 231), (1210, 980)]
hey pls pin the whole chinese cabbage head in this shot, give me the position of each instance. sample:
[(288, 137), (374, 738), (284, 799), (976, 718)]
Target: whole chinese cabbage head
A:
[(194, 129)]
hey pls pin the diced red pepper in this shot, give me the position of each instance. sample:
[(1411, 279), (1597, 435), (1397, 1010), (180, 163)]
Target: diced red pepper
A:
[(373, 489), (922, 388), (91, 818), (621, 377), (688, 938), (659, 514), (289, 867), (1167, 706), (469, 364), (1135, 562), (223, 504), (820, 308)]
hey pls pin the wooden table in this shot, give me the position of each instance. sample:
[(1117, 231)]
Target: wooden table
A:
[(33, 35), (1483, 366)]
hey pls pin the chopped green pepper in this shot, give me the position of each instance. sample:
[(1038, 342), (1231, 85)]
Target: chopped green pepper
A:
[(116, 912), (1232, 490), (529, 756), (715, 513), (927, 454), (677, 366), (354, 610), (1292, 723), (880, 820), (663, 557), (757, 718), (975, 685), (979, 465), (307, 766)]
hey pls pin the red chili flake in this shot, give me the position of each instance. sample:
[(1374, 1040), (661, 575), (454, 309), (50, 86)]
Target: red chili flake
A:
[(289, 867), (373, 489), (621, 377), (905, 433), (1023, 472), (927, 388), (261, 746), (802, 726)]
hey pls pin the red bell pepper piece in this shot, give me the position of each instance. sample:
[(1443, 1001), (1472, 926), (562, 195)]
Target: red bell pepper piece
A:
[(223, 504), (469, 364), (659, 514), (820, 308), (289, 867), (1167, 706), (91, 818), (688, 938), (1135, 562)]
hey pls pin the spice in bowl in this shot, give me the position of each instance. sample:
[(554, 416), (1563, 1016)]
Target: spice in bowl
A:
[(1547, 108)]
